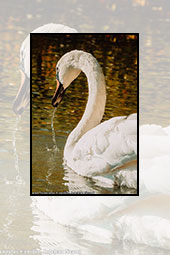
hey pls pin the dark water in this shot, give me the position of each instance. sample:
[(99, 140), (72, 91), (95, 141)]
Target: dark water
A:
[(117, 54)]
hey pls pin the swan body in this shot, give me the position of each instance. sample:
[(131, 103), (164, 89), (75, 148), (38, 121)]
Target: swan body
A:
[(23, 96), (104, 147), (93, 148), (143, 219)]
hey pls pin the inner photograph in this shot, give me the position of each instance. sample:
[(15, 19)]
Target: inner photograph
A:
[(84, 106)]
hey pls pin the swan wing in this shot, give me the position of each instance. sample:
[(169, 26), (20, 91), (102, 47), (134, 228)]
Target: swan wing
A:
[(155, 158), (154, 142), (110, 144)]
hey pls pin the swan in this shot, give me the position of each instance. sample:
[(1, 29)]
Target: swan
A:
[(94, 148), (143, 219), (22, 98)]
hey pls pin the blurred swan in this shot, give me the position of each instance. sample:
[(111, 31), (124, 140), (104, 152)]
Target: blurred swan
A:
[(23, 96), (143, 219), (94, 148)]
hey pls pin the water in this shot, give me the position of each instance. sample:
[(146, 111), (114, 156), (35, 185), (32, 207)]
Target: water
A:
[(21, 226), (55, 148), (120, 71), (154, 81)]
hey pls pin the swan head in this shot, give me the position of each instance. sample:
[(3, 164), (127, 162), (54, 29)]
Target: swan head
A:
[(22, 98), (67, 70)]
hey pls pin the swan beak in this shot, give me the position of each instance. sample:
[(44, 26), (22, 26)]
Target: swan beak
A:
[(58, 95), (23, 96)]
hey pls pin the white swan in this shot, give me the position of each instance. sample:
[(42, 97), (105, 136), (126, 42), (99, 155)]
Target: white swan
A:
[(94, 148), (143, 219), (23, 96)]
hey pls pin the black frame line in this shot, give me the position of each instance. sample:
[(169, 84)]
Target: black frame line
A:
[(82, 194)]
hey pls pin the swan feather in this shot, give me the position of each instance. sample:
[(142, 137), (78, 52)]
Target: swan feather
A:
[(99, 149)]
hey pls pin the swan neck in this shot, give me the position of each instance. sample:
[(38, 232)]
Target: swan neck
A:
[(95, 105)]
